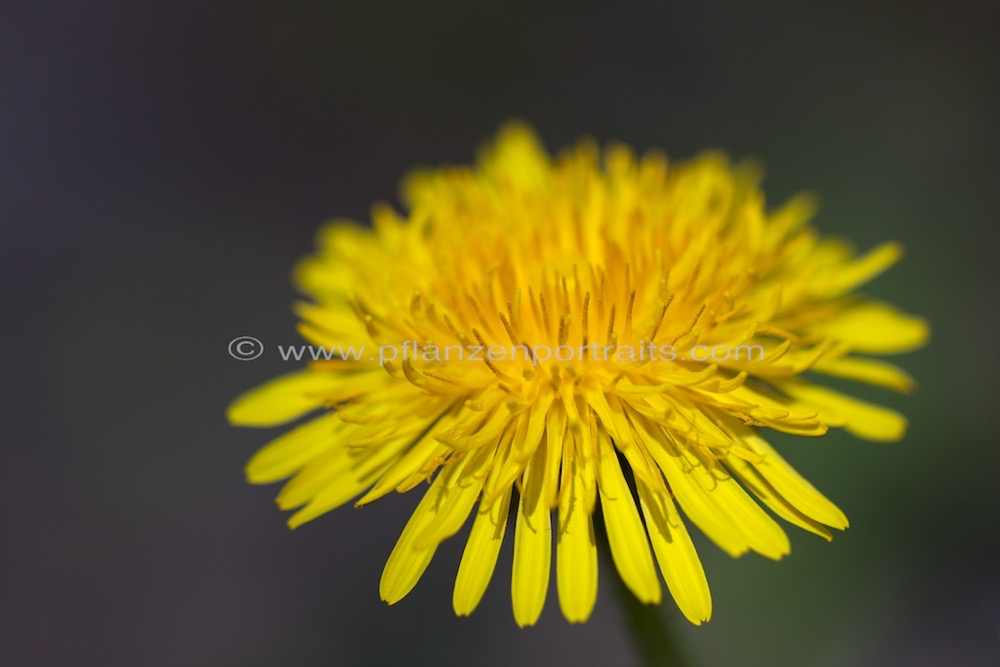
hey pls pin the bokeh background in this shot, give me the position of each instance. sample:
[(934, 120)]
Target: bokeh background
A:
[(163, 165)]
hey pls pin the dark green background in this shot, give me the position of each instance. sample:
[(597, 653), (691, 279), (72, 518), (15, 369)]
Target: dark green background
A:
[(162, 165)]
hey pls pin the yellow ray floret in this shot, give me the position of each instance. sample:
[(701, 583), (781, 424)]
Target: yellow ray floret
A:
[(544, 338)]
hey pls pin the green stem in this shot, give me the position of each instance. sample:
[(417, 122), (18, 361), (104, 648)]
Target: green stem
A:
[(654, 642), (652, 637)]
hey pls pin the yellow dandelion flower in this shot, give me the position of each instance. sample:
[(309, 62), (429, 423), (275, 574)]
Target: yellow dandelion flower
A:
[(571, 328)]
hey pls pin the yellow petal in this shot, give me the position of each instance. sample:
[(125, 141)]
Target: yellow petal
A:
[(292, 450), (679, 562), (517, 157), (865, 420), (323, 274), (456, 501), (333, 325), (872, 371), (875, 328), (406, 563), (314, 476), (626, 534), (792, 486), (790, 217), (532, 544), (782, 416), (528, 439), (555, 435), (754, 481), (715, 502), (416, 458), (346, 483), (762, 533), (691, 496), (576, 554), (282, 399), (863, 269), (480, 556)]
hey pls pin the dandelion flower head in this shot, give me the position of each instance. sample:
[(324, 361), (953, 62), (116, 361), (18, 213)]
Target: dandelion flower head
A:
[(580, 262)]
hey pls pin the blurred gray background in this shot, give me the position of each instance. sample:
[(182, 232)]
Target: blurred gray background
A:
[(163, 165)]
